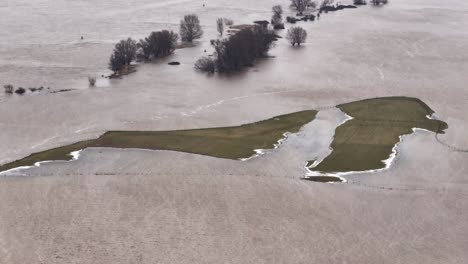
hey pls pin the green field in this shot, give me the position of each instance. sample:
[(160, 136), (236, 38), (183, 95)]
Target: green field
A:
[(364, 142), (224, 142)]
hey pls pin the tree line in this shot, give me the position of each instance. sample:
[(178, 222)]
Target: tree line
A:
[(158, 44)]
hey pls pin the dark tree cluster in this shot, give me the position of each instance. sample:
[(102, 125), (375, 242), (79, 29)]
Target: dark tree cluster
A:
[(124, 53), (157, 44), (238, 51)]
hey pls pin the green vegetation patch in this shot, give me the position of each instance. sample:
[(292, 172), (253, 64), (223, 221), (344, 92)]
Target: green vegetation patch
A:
[(225, 142), (363, 143)]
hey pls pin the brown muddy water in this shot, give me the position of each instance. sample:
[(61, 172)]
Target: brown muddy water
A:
[(133, 206)]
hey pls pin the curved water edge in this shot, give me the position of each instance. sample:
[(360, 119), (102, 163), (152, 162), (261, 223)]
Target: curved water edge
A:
[(340, 177)]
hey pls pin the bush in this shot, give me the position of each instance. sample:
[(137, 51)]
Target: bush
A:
[(20, 90), (8, 88), (190, 28), (157, 44), (296, 35), (220, 26), (291, 20), (92, 81), (206, 64), (124, 54)]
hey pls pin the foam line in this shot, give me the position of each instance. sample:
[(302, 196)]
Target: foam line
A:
[(75, 155)]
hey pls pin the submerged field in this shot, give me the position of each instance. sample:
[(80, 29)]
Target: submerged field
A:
[(225, 142), (367, 140)]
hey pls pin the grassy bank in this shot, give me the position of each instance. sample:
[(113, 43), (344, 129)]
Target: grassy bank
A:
[(364, 142), (224, 142)]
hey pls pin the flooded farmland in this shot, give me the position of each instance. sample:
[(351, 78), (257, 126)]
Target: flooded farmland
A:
[(152, 206)]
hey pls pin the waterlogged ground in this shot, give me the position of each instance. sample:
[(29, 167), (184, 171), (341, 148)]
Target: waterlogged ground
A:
[(131, 206)]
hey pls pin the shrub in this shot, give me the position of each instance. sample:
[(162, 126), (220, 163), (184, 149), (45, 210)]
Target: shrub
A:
[(91, 81), (291, 20), (360, 2), (190, 28), (220, 26), (157, 44), (296, 35), (205, 64), (8, 88), (124, 54), (20, 90)]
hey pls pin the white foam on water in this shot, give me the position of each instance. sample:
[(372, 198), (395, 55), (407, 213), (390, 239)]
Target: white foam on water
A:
[(75, 156), (259, 152)]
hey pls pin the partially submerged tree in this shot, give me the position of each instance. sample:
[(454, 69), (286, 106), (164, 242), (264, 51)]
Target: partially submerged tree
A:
[(190, 28), (124, 54), (277, 18), (300, 5), (241, 49), (220, 25), (296, 35), (157, 44)]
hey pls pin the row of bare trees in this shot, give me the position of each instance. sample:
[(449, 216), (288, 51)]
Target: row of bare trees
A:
[(157, 44)]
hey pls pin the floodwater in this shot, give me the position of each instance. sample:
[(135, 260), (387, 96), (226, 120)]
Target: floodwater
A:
[(131, 206)]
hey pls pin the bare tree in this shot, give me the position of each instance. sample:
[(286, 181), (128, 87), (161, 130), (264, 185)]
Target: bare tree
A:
[(277, 18), (220, 25), (190, 28), (300, 5), (296, 35), (326, 3), (124, 54)]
